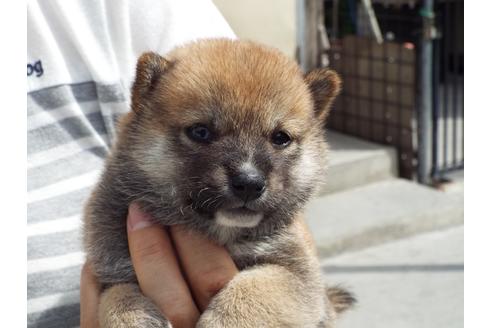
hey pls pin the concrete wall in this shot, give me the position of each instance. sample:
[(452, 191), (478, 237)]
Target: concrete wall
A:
[(272, 22)]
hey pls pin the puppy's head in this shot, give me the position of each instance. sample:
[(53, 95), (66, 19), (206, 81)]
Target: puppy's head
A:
[(232, 131)]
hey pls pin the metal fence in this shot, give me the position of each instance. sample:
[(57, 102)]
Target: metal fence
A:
[(448, 85), (382, 89)]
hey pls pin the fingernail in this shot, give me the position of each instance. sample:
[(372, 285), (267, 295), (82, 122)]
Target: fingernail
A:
[(137, 219)]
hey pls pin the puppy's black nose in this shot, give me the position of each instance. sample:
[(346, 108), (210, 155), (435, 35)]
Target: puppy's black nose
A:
[(248, 186)]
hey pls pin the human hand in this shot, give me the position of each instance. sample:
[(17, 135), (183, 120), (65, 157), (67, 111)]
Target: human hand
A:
[(180, 271)]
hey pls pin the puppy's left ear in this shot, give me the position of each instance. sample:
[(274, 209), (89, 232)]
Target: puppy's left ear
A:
[(150, 68), (324, 85)]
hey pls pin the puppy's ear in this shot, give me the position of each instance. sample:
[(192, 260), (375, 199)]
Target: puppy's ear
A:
[(150, 68), (324, 85)]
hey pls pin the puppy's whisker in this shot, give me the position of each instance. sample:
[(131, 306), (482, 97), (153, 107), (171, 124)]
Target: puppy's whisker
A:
[(206, 201), (214, 201), (202, 190)]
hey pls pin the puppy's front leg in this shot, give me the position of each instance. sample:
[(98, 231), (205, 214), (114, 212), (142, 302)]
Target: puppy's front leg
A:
[(123, 306), (268, 295)]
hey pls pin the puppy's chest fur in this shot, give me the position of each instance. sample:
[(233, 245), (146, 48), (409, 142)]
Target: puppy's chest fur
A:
[(286, 248), (249, 253)]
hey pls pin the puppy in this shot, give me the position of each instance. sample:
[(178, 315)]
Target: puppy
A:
[(227, 138)]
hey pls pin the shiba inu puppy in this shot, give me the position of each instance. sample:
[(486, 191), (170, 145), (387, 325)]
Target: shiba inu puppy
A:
[(227, 138)]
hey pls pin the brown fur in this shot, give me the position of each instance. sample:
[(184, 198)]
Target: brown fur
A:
[(244, 93), (123, 305)]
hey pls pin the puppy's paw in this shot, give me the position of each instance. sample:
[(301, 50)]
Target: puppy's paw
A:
[(123, 305), (267, 296), (224, 318), (234, 317)]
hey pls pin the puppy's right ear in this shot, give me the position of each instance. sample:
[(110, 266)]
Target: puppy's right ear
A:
[(324, 85), (150, 68)]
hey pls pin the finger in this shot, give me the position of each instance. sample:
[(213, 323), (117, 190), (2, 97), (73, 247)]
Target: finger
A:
[(208, 267), (157, 269), (89, 298)]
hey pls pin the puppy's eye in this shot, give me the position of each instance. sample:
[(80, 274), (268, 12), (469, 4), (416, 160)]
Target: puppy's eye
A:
[(199, 133), (281, 139)]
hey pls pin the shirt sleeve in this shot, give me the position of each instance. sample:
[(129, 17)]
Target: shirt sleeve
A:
[(161, 25)]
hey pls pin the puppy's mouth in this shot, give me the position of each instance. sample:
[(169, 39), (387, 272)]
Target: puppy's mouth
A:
[(240, 217)]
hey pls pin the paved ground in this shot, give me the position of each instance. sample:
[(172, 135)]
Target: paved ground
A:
[(415, 282), (380, 212)]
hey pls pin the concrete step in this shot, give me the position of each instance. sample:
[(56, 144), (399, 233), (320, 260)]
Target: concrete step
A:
[(355, 162), (413, 282), (380, 212)]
